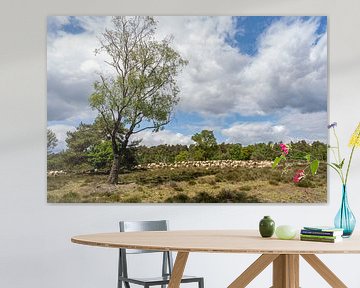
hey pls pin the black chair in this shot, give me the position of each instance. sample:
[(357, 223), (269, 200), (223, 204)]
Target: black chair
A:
[(167, 265)]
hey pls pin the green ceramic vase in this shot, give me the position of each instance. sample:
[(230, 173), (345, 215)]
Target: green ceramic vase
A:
[(266, 226)]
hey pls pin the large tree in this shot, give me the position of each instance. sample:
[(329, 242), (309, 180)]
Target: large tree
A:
[(141, 91)]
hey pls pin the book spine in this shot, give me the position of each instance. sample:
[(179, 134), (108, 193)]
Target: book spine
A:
[(319, 233), (318, 239), (319, 236)]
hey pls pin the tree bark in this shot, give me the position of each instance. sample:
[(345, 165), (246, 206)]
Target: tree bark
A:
[(115, 169)]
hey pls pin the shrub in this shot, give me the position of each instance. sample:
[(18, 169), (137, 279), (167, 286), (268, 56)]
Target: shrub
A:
[(192, 182), (306, 184), (179, 198), (274, 182), (132, 199), (70, 197), (245, 188)]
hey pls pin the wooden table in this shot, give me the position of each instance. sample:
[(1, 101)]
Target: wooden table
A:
[(284, 254)]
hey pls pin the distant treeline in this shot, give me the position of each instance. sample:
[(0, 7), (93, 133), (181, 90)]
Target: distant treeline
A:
[(86, 155)]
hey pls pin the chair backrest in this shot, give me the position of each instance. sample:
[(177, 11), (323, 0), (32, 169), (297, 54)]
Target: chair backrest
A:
[(134, 226)]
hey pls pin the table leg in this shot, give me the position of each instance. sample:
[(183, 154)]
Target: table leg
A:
[(286, 271), (178, 270), (324, 271), (253, 270)]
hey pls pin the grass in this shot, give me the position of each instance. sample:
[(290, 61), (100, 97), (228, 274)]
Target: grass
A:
[(190, 185)]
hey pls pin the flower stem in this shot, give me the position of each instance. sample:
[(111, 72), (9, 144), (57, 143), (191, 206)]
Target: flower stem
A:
[(339, 160), (348, 166), (351, 155)]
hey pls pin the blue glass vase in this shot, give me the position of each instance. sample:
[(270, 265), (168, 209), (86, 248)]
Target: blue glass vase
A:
[(345, 219)]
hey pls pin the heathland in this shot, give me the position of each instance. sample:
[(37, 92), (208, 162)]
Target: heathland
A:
[(169, 174)]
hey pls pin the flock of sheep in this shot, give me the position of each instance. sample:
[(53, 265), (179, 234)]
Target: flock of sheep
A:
[(56, 173), (187, 164), (208, 164)]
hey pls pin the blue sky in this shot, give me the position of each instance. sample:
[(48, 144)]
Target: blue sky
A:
[(249, 79)]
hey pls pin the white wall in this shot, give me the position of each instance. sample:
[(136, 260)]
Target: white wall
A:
[(35, 248)]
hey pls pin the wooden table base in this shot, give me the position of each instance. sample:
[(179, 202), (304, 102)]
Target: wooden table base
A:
[(286, 271), (178, 270)]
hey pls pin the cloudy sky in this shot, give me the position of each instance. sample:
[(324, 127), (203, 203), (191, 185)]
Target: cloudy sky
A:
[(249, 79)]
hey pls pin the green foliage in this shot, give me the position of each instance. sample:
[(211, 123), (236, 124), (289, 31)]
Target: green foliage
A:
[(278, 160), (85, 137), (82, 145), (247, 152), (319, 150), (314, 166), (223, 151), (197, 153), (56, 161), (262, 152), (161, 153), (101, 155), (235, 152), (182, 156), (299, 150), (206, 145), (52, 141)]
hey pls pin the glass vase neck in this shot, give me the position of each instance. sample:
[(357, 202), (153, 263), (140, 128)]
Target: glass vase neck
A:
[(344, 193)]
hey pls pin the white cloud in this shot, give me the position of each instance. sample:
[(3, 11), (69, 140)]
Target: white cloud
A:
[(254, 132), (293, 126), (305, 126), (162, 137), (72, 68), (207, 83), (289, 69)]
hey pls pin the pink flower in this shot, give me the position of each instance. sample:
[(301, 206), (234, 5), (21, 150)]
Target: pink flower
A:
[(299, 175), (284, 148)]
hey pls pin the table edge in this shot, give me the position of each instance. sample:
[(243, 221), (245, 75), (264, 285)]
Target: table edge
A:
[(75, 240)]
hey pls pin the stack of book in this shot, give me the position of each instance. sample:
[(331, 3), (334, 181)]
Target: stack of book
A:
[(321, 234)]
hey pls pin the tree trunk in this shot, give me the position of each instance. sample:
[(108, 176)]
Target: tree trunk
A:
[(115, 169)]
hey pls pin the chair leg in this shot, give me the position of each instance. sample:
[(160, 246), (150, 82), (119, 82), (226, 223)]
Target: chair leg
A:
[(201, 283)]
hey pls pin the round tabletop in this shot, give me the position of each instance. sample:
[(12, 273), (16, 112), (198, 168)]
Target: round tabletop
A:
[(219, 241)]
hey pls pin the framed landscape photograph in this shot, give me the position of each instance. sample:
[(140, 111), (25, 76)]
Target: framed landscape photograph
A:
[(187, 109)]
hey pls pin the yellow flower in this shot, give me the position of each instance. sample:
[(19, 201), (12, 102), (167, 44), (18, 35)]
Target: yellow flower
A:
[(355, 137)]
